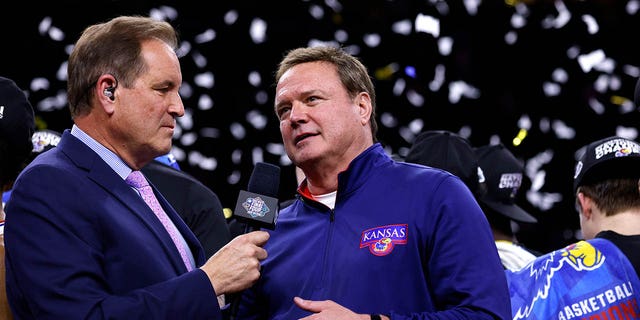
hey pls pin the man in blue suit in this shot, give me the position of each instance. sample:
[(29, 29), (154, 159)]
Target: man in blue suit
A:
[(80, 242)]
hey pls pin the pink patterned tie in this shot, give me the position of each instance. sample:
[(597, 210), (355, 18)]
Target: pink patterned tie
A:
[(137, 180)]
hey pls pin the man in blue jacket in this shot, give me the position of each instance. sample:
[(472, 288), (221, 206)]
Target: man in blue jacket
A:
[(368, 236)]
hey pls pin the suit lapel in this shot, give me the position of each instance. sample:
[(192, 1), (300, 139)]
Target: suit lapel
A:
[(104, 176)]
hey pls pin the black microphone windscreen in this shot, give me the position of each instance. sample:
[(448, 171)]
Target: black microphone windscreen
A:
[(258, 206), (265, 179)]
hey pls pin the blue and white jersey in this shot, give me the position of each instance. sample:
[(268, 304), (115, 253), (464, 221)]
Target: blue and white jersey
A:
[(586, 280)]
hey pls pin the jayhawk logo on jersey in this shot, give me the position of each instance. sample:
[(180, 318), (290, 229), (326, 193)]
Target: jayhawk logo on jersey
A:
[(583, 255)]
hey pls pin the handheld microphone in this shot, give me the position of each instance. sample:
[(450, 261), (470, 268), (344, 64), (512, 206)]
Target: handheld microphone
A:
[(258, 205)]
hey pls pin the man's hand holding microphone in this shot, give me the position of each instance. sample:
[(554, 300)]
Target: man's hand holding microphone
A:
[(236, 266)]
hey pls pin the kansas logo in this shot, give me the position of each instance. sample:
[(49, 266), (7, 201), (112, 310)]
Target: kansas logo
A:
[(256, 207), (381, 240)]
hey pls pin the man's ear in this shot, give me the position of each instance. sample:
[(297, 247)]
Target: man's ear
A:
[(106, 91), (363, 100), (585, 205)]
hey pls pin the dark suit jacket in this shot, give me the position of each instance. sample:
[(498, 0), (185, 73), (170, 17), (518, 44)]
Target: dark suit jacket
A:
[(197, 205), (81, 244)]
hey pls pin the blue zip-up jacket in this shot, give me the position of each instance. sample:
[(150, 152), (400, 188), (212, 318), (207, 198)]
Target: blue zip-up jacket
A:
[(404, 240)]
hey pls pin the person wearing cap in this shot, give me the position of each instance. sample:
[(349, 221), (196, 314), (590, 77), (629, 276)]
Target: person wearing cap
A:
[(449, 151), (87, 236), (368, 237), (504, 174), (16, 127), (494, 177), (597, 277)]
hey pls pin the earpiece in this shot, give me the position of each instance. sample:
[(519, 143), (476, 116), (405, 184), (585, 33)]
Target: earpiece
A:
[(108, 92)]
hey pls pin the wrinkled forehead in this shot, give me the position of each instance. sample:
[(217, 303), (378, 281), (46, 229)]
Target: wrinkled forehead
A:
[(308, 67), (308, 76)]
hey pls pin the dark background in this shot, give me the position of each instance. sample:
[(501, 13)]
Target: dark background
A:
[(532, 87)]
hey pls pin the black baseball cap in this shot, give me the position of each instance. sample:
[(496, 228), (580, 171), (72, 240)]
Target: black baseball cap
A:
[(451, 152), (608, 158), (16, 117), (503, 173)]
